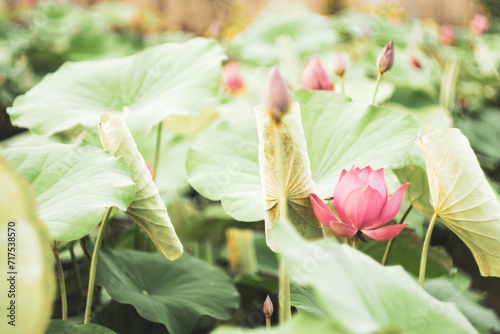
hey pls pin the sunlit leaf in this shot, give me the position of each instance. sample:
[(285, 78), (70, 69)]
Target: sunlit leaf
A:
[(461, 195), (147, 210), (30, 256), (73, 185), (143, 88)]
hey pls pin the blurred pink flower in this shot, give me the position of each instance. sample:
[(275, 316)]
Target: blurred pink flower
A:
[(314, 76), (362, 204), (415, 62), (447, 35), (232, 78), (479, 24)]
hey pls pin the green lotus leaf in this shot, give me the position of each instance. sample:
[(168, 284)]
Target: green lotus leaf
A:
[(25, 247), (176, 294), (461, 195), (63, 327), (73, 185), (143, 88), (222, 164), (147, 209)]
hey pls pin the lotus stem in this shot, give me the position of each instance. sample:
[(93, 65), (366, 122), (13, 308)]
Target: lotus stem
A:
[(93, 264), (354, 242), (342, 84), (425, 249), (157, 150), (389, 244), (376, 87), (77, 271), (62, 284), (285, 312), (268, 322)]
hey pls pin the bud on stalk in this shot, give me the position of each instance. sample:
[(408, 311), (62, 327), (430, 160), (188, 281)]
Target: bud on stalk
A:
[(276, 96), (385, 58), (268, 311)]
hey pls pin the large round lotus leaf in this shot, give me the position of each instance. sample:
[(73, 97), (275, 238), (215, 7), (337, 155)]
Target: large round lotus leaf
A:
[(461, 195), (27, 260), (66, 327), (176, 294), (73, 185), (222, 164), (143, 88)]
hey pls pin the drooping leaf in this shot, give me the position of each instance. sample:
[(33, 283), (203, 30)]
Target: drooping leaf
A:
[(304, 299), (289, 135), (434, 115), (26, 258), (406, 252), (461, 195), (61, 326), (147, 209), (143, 88), (177, 294), (222, 164), (360, 294), (73, 185)]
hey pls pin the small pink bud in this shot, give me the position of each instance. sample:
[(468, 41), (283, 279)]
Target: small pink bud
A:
[(385, 58), (447, 35), (479, 24), (276, 96), (149, 167), (314, 76), (214, 30), (338, 64), (268, 307), (415, 62), (232, 78)]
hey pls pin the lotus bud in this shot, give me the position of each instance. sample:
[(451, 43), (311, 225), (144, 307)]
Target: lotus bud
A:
[(338, 64), (232, 78), (479, 24), (314, 76), (447, 35), (415, 62), (268, 307), (385, 58), (276, 96)]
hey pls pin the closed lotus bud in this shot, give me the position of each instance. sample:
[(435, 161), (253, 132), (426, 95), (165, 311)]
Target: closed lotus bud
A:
[(385, 58), (415, 62), (314, 76), (276, 96), (232, 78), (268, 307), (447, 35), (338, 64), (479, 24)]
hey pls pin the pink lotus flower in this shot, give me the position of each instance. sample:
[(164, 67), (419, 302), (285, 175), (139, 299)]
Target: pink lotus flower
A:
[(479, 24), (362, 204), (232, 78), (447, 35), (314, 76)]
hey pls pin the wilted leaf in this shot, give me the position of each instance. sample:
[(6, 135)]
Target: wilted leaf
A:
[(73, 185), (147, 210), (461, 195), (30, 255), (296, 167)]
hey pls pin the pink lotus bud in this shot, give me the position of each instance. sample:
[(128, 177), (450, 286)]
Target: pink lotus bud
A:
[(232, 78), (268, 307), (149, 167), (447, 35), (415, 62), (362, 204), (385, 58), (314, 76), (338, 64), (214, 30), (479, 24), (276, 96)]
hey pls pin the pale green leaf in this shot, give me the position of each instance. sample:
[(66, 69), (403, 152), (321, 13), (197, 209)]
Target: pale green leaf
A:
[(73, 185), (147, 210), (461, 195), (143, 88), (30, 256)]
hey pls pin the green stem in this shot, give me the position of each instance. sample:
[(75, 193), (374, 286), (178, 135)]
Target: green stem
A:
[(342, 84), (62, 284), (285, 312), (354, 242), (425, 249), (77, 271), (376, 87), (93, 264), (389, 244), (157, 150), (268, 322)]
